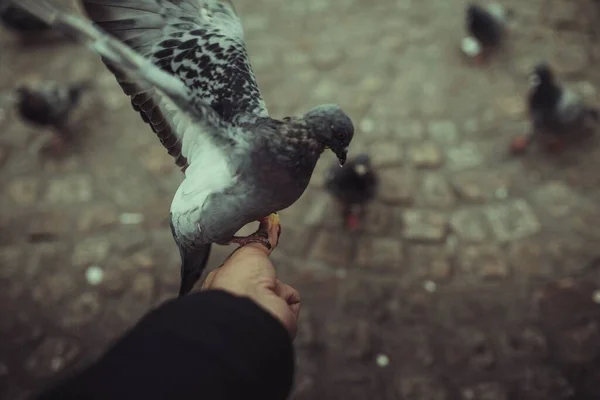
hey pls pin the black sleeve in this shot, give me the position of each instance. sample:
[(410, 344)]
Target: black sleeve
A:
[(208, 345)]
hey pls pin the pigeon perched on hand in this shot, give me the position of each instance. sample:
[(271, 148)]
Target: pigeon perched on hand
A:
[(49, 105), (486, 27), (187, 72), (354, 186), (557, 114)]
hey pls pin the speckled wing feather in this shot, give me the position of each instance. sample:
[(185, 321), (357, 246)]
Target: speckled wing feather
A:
[(199, 41)]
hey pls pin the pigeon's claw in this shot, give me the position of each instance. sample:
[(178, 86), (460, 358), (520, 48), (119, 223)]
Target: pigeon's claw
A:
[(267, 234)]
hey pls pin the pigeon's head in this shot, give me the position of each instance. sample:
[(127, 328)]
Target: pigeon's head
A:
[(474, 11), (541, 75), (334, 129), (362, 164)]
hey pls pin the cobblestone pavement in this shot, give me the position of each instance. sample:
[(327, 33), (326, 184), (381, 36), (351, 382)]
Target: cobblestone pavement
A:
[(473, 278)]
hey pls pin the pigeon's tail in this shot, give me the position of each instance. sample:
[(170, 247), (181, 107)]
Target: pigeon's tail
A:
[(112, 50), (193, 263)]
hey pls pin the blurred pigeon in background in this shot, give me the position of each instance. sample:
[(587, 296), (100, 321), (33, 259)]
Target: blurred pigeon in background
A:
[(486, 28), (49, 105), (557, 114), (353, 185), (203, 103)]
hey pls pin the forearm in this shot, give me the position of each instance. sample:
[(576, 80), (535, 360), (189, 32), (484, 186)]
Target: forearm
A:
[(209, 345)]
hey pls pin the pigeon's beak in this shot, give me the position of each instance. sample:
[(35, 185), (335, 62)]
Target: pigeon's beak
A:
[(342, 155)]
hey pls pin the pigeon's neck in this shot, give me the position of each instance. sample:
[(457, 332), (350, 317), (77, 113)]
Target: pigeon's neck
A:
[(294, 142), (547, 95)]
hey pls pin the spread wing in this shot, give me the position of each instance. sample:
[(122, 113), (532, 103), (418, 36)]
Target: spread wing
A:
[(199, 41), (179, 114)]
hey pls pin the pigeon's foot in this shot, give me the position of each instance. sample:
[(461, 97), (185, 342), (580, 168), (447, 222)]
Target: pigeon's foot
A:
[(352, 222), (520, 144), (264, 233)]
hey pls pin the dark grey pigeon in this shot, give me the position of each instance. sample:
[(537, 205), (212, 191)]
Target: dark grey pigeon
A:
[(354, 186), (486, 28), (203, 103), (556, 112), (49, 103)]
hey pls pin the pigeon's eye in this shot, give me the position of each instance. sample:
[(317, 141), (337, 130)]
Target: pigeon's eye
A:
[(340, 135)]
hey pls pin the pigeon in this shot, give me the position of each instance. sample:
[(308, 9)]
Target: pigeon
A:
[(49, 105), (353, 185), (486, 27), (185, 67), (556, 113)]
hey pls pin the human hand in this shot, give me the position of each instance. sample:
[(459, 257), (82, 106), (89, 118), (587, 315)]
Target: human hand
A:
[(249, 272)]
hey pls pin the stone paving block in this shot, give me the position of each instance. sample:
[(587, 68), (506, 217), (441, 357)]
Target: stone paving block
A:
[(513, 220), (81, 311), (377, 219), (156, 160), (568, 54), (529, 259), (386, 154), (295, 241), (558, 199), (435, 192), (426, 155), (24, 190), (54, 287), (51, 356), (409, 131), (49, 225), (70, 189), (470, 226), (397, 187), (97, 216), (331, 247), (443, 132), (90, 251), (380, 253), (482, 262), (481, 186), (464, 156), (428, 261), (423, 225)]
